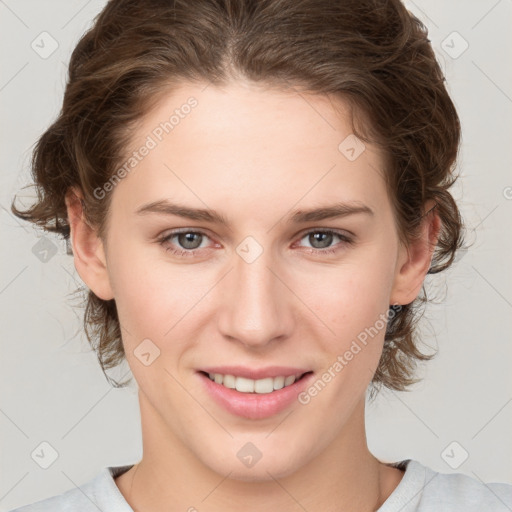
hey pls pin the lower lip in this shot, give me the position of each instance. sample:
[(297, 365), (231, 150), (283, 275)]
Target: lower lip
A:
[(254, 405)]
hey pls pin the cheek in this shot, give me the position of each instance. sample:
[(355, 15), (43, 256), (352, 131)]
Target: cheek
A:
[(156, 299), (356, 312), (350, 298), (144, 295)]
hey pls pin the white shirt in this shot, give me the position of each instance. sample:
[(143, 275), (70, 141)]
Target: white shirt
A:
[(420, 490)]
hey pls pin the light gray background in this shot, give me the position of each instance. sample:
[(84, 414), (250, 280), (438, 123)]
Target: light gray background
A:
[(52, 387)]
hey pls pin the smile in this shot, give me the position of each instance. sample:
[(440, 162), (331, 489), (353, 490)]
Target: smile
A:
[(254, 398), (245, 385)]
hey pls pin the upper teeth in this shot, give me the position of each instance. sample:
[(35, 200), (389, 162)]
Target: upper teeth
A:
[(252, 386)]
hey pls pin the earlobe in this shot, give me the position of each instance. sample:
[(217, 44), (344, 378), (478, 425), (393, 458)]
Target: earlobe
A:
[(414, 260), (88, 251)]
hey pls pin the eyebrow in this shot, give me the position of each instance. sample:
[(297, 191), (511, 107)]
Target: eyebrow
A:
[(337, 210)]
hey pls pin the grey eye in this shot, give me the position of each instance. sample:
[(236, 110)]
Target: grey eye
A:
[(187, 241), (323, 239)]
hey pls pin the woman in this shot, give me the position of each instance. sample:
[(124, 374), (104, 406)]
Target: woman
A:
[(254, 193)]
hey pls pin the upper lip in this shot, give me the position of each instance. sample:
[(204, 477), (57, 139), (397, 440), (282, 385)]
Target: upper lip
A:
[(256, 373)]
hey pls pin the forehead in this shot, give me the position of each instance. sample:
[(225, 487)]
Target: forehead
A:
[(245, 145), (242, 112)]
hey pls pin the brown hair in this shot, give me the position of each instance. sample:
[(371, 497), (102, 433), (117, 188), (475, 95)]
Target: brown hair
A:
[(373, 54)]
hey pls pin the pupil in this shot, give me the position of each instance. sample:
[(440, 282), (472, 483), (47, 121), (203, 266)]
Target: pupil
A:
[(323, 243), (187, 240)]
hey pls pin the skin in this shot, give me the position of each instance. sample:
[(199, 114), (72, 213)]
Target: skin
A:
[(254, 154)]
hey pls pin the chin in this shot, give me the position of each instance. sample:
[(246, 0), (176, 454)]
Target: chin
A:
[(267, 468)]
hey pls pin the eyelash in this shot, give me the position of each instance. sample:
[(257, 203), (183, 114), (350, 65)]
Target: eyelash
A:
[(192, 252)]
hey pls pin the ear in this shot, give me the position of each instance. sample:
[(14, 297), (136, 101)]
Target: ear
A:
[(88, 251), (414, 260)]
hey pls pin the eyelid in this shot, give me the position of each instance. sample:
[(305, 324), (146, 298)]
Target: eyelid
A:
[(177, 231), (340, 232), (174, 232)]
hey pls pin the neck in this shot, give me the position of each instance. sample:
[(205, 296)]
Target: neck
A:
[(344, 476)]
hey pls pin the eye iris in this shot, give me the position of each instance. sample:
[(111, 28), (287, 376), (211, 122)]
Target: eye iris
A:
[(324, 242), (192, 240), (185, 239)]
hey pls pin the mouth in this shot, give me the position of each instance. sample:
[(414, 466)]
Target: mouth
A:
[(254, 386), (258, 398)]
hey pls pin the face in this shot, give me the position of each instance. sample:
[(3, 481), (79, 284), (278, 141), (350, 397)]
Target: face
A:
[(264, 290)]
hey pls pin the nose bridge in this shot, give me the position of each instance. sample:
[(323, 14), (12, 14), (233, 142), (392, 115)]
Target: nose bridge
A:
[(255, 308)]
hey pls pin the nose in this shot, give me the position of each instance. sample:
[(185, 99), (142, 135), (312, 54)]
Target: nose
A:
[(256, 305)]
